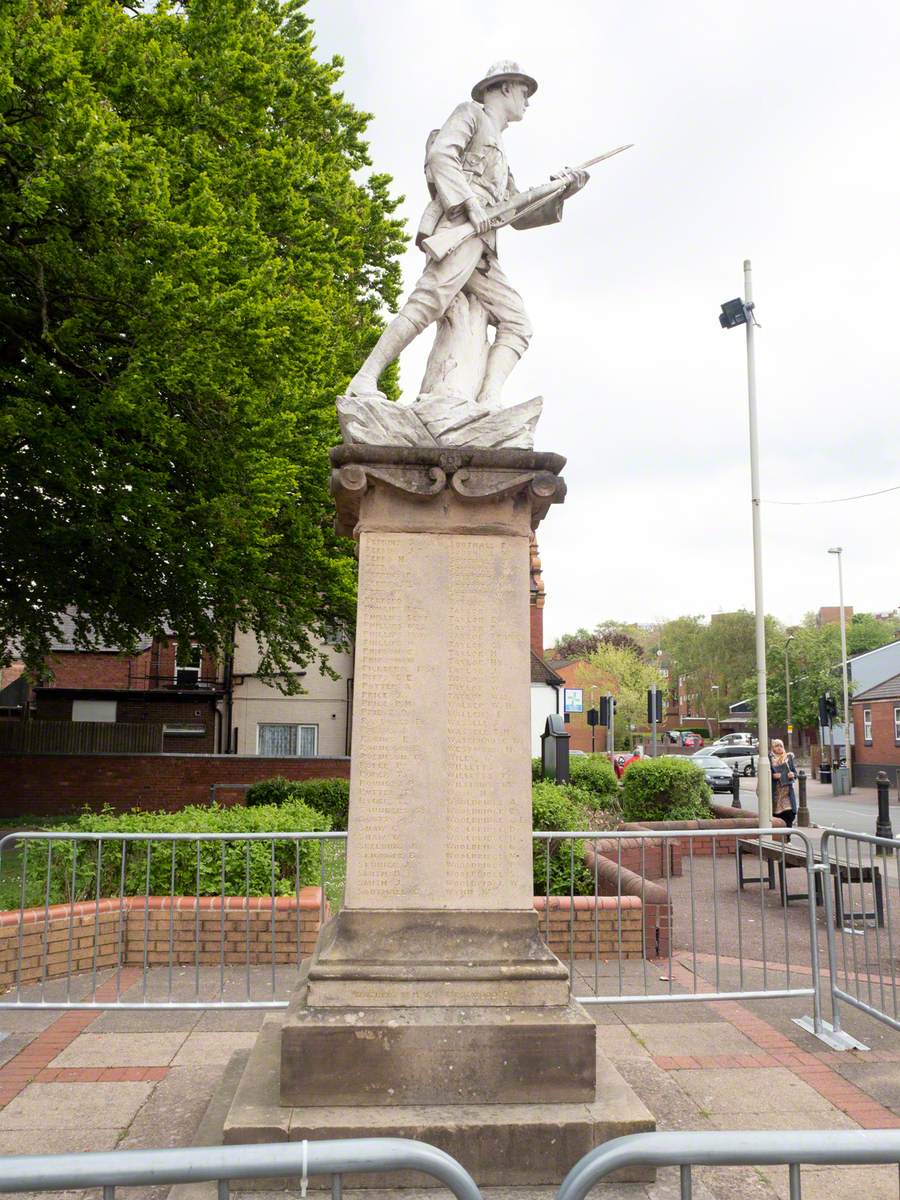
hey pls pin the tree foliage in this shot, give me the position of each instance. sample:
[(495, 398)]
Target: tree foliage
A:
[(626, 676), (190, 273)]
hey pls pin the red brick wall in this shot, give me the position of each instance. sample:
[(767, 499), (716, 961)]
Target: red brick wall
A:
[(45, 784), (85, 936), (884, 748), (73, 669), (595, 917)]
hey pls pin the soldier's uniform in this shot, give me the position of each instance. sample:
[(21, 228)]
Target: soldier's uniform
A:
[(466, 159)]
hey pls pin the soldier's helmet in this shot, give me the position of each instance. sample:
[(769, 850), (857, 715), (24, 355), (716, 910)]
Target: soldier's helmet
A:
[(502, 72)]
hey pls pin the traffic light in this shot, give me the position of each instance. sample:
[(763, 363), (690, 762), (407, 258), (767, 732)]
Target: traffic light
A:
[(827, 708), (659, 705), (593, 716), (604, 711)]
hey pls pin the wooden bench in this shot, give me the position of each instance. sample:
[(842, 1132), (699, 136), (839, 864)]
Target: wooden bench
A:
[(775, 854), (784, 857)]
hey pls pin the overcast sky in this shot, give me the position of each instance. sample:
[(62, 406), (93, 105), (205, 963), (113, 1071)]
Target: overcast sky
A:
[(763, 130)]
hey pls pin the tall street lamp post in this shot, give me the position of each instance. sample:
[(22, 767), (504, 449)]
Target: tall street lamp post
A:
[(787, 693), (734, 313), (838, 550), (715, 688)]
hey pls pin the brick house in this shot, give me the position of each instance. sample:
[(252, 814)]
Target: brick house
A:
[(876, 728)]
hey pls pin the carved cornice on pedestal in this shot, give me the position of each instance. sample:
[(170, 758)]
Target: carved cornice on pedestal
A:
[(423, 474)]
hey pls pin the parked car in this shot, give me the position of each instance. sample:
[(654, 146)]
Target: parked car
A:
[(718, 774), (745, 758), (736, 739), (683, 737)]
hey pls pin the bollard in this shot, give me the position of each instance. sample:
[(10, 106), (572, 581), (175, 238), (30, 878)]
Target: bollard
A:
[(802, 808), (735, 788), (883, 823)]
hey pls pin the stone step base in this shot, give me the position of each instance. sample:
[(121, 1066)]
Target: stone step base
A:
[(502, 1145)]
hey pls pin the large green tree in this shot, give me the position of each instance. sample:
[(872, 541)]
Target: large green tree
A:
[(191, 270)]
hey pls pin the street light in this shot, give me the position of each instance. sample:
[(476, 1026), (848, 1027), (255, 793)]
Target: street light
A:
[(838, 550), (787, 692), (735, 313), (715, 688)]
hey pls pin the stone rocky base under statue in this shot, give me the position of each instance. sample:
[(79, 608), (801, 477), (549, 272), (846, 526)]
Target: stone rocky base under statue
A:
[(501, 1144), (514, 1090)]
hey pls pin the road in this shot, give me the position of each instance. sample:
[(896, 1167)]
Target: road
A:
[(856, 812)]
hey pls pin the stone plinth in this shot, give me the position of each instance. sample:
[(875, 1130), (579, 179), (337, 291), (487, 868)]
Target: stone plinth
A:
[(431, 999)]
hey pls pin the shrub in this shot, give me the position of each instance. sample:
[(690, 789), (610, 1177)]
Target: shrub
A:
[(329, 796), (270, 791), (594, 773), (185, 868), (555, 807), (536, 770), (664, 789)]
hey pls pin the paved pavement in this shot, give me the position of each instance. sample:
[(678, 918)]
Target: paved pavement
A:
[(127, 1079)]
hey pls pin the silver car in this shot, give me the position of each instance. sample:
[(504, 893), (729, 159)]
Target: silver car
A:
[(745, 758)]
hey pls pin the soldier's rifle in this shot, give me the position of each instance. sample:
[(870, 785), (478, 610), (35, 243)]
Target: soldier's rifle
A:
[(445, 241)]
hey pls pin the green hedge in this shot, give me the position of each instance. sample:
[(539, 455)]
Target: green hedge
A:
[(665, 789), (248, 866), (595, 774), (555, 807), (328, 796)]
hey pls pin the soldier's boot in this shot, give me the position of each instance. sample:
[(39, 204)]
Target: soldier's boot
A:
[(389, 346), (501, 361)]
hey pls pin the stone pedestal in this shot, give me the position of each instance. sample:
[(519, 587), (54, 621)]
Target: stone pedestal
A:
[(431, 1002)]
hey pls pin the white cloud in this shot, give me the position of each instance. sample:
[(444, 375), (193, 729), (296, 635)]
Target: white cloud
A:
[(762, 129)]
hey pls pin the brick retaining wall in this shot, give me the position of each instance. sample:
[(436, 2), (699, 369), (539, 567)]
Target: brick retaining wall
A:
[(76, 938), (44, 785), (590, 915)]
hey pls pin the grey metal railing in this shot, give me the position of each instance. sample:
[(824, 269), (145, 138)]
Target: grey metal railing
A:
[(223, 1164), (701, 935), (854, 1147), (862, 904), (162, 920)]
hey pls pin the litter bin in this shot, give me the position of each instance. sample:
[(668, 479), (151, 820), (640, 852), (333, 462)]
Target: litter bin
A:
[(825, 774), (840, 781)]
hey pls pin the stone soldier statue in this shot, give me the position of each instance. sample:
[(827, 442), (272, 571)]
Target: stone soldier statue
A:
[(467, 171)]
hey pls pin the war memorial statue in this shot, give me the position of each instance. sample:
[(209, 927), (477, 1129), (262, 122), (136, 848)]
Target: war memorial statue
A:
[(463, 287), (432, 1007)]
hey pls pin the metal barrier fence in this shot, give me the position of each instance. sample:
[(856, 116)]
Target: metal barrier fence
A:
[(221, 920), (833, 1147), (862, 908), (162, 920), (224, 1164), (701, 934)]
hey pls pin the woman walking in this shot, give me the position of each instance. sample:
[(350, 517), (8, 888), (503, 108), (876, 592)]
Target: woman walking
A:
[(784, 772)]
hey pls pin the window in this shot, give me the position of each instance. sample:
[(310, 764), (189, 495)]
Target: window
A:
[(867, 726), (897, 723), (94, 710), (187, 667), (286, 741)]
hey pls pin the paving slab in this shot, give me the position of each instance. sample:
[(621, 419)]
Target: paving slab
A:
[(58, 1141), (669, 1012), (120, 1050), (26, 1020), (711, 1037), (174, 1109), (11, 1045), (149, 1021), (772, 1090), (831, 1183), (783, 1120), (618, 1041), (47, 1106), (881, 1080), (672, 1107), (205, 1049), (231, 1020)]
